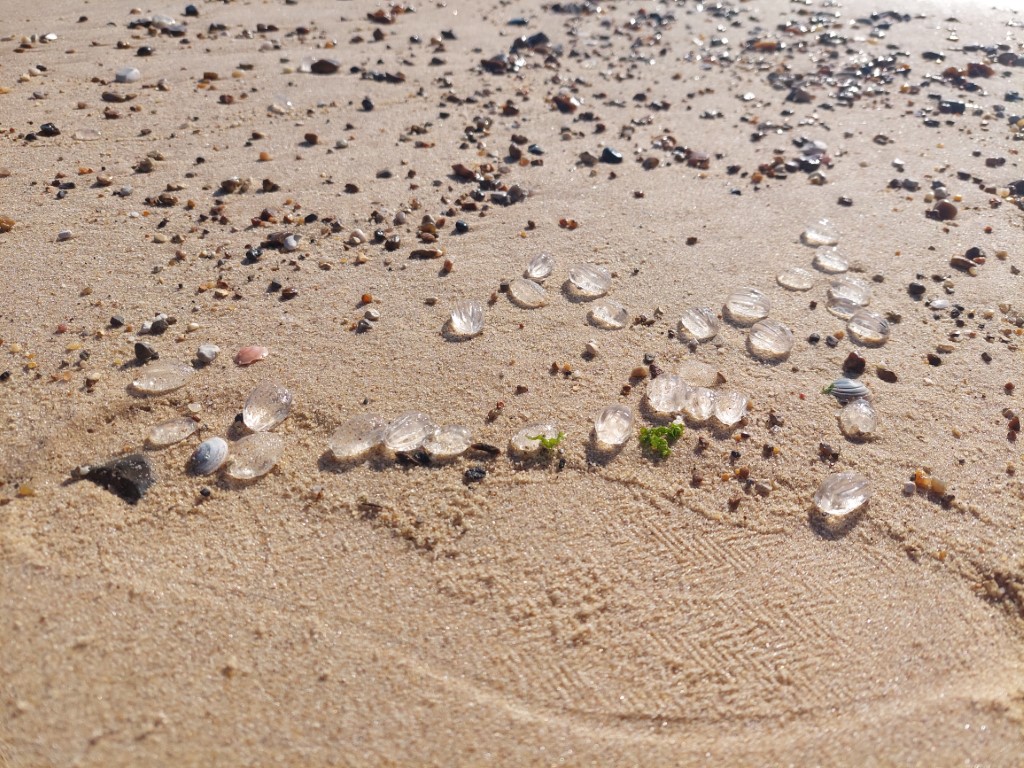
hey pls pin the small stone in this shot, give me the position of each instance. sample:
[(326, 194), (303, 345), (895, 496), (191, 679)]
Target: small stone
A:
[(324, 67), (842, 493), (250, 355), (944, 211), (127, 75), (144, 352), (609, 155), (267, 406), (614, 425), (255, 455), (128, 477), (854, 364), (475, 474), (207, 353)]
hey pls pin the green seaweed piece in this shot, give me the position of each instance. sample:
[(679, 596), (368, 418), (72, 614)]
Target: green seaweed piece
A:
[(549, 443), (660, 439)]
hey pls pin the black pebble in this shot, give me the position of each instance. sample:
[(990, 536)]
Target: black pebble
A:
[(846, 202), (116, 321), (474, 474), (934, 359), (191, 10), (367, 105), (128, 477), (612, 156), (48, 130), (253, 254), (145, 50), (915, 289), (145, 352), (461, 227), (814, 338), (5, 375), (832, 341), (158, 326)]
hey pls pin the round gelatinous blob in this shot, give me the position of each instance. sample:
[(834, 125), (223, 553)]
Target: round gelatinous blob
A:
[(357, 436), (667, 393), (409, 431), (830, 261), (770, 340), (467, 318), (842, 307), (614, 425), (796, 279), (821, 232), (162, 376), (255, 455), (448, 442), (868, 327), (523, 442), (267, 406), (843, 493), (86, 134), (845, 390), (699, 324), (747, 305), (526, 293), (857, 420), (700, 405), (730, 407), (608, 314), (209, 456), (171, 431), (851, 288), (540, 267), (590, 280)]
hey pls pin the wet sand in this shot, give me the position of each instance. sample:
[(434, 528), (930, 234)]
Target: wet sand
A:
[(582, 608)]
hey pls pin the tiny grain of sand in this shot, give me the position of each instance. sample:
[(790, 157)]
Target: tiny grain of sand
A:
[(587, 610)]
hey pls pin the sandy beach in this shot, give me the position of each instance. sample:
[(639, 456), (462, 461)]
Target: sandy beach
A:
[(327, 180)]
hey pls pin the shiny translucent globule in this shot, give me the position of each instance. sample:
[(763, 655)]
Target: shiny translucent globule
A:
[(698, 324), (857, 420), (770, 340), (409, 431), (171, 431), (868, 327), (448, 442), (796, 279), (700, 405), (527, 293), (590, 279), (821, 232), (540, 267), (747, 305), (267, 406), (851, 288), (254, 455), (730, 407), (667, 393), (608, 314), (830, 261), (842, 493), (614, 425), (356, 436), (524, 444), (162, 376), (467, 318)]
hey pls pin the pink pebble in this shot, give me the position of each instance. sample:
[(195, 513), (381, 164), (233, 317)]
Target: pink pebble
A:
[(249, 355)]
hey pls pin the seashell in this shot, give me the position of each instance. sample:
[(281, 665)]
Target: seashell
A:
[(171, 431), (608, 314), (467, 318), (857, 420), (667, 393), (540, 267), (357, 436), (795, 279), (590, 280), (700, 405), (730, 407), (845, 390), (821, 232), (614, 425), (853, 289), (209, 456), (267, 406), (250, 355), (699, 324), (162, 376), (527, 293), (522, 442), (747, 305), (255, 455), (409, 431), (868, 327), (448, 442), (770, 340), (830, 261), (843, 493)]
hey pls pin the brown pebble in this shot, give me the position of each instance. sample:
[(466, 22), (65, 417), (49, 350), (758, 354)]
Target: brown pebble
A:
[(640, 372), (854, 364), (885, 374), (944, 211)]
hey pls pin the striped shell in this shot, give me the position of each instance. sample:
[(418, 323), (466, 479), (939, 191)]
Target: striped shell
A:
[(209, 456), (845, 390)]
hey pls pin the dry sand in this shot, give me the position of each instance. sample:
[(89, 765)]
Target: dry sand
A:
[(608, 613)]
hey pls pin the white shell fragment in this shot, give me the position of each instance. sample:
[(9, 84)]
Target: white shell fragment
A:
[(523, 443), (770, 340), (467, 318), (747, 305), (171, 431), (857, 420), (448, 442), (667, 393), (830, 261), (821, 232), (590, 280), (527, 293), (608, 314), (843, 493), (699, 324), (868, 327), (700, 405), (540, 267), (255, 455), (209, 456), (614, 425), (730, 407), (848, 389), (409, 431), (796, 279), (357, 436), (267, 406), (162, 376)]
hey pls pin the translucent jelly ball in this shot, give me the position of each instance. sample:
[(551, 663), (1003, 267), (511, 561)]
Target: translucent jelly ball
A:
[(699, 324), (770, 340), (608, 314), (467, 318), (523, 441), (730, 407), (700, 405), (821, 232), (357, 436), (843, 493), (851, 288), (868, 327), (171, 431), (267, 406), (540, 267), (667, 393), (796, 279), (857, 420), (448, 442), (526, 293), (409, 431), (255, 455), (747, 305), (614, 425), (590, 279), (830, 261), (162, 376), (841, 307)]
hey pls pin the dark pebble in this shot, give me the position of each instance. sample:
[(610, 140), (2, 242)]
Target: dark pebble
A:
[(367, 105), (986, 357), (854, 364), (934, 359), (474, 474), (609, 155), (944, 211), (116, 321), (846, 202), (253, 254), (889, 377), (274, 287), (916, 289), (814, 338), (128, 477), (49, 130), (363, 326), (145, 50), (158, 326), (323, 67), (832, 341), (145, 352), (5, 375), (191, 10), (461, 227)]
